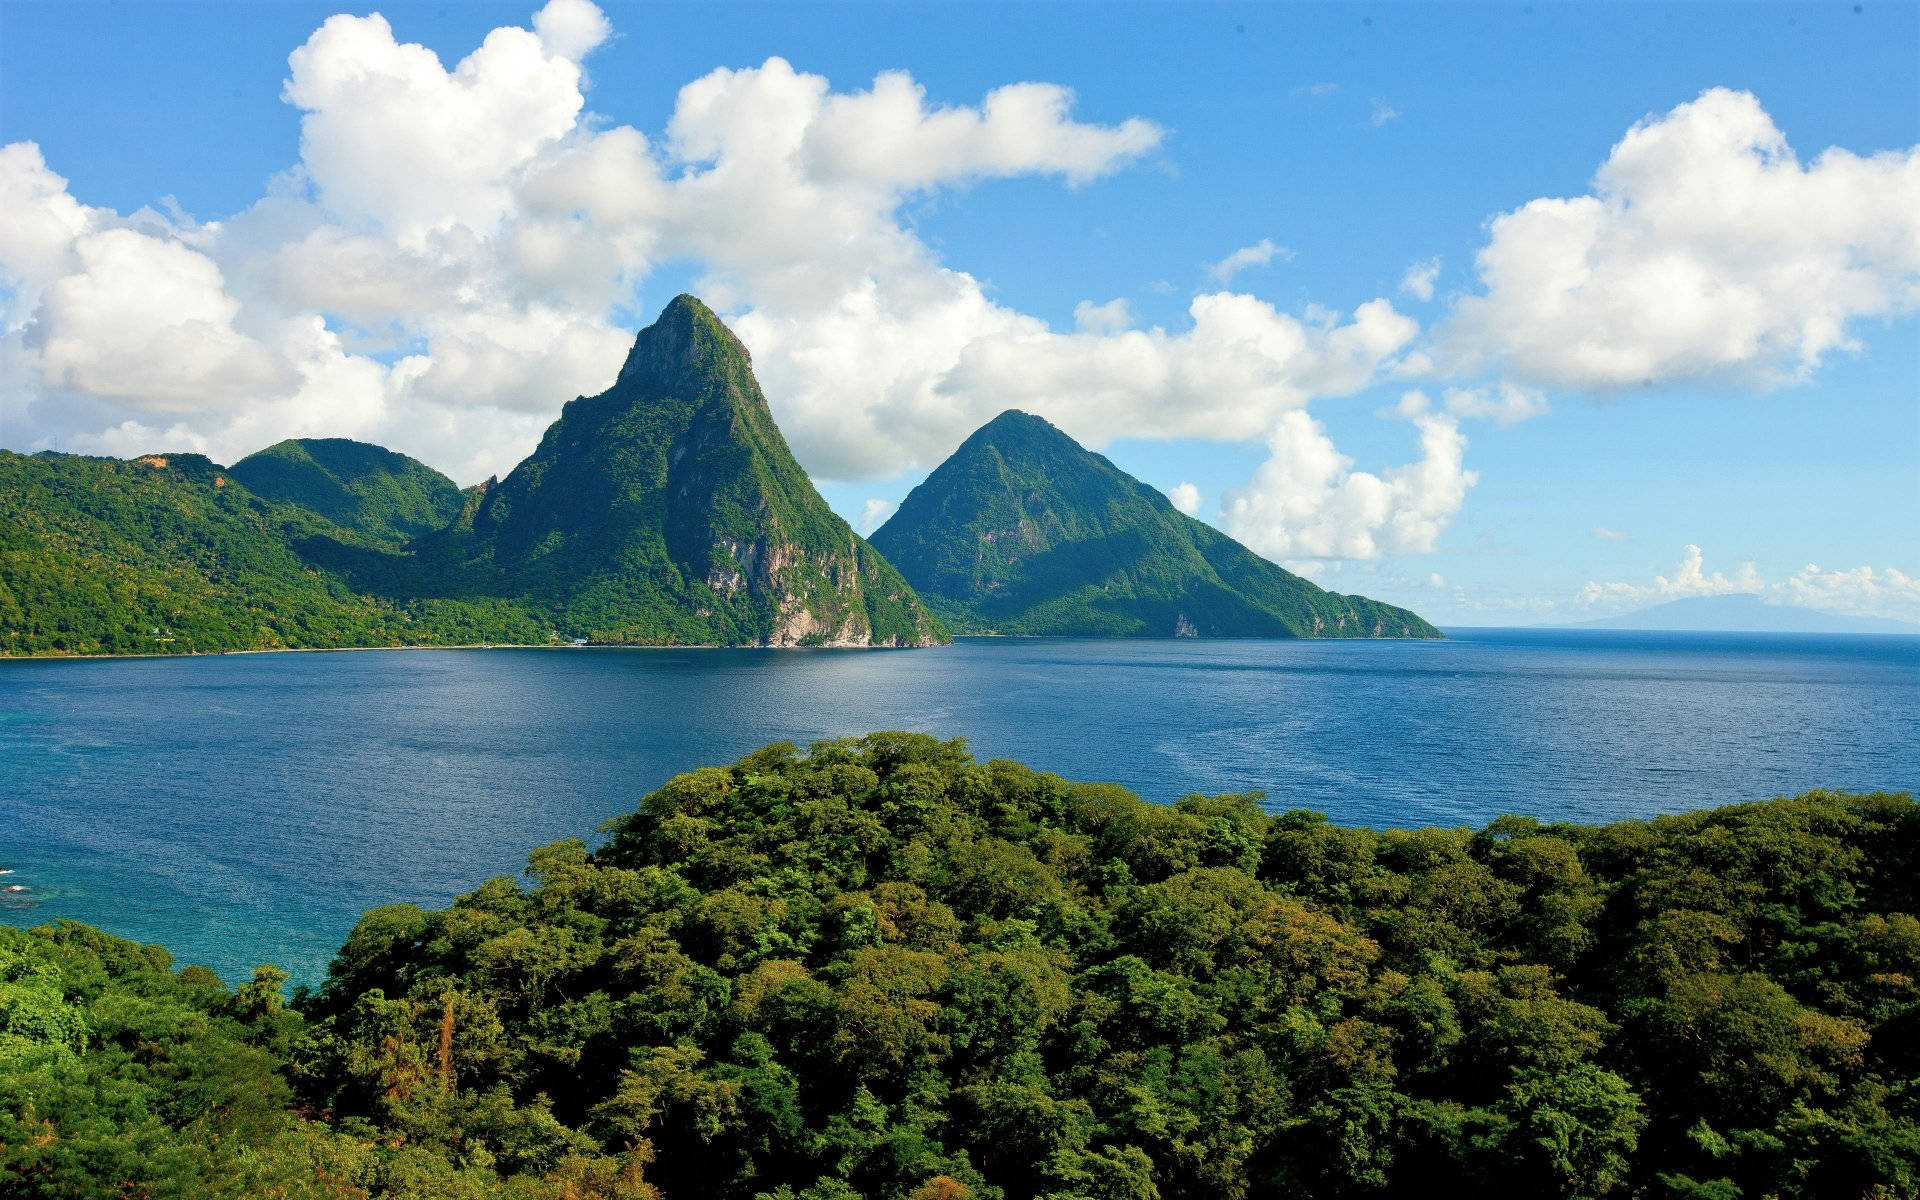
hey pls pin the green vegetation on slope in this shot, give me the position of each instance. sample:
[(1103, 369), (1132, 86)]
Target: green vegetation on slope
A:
[(385, 497), (168, 553), (880, 969), (1023, 531), (669, 509)]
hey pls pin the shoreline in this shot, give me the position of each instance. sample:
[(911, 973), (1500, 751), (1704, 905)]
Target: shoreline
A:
[(7, 658), (1005, 637)]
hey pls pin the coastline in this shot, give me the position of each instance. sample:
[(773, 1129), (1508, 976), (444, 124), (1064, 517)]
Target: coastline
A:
[(1003, 637), (7, 658)]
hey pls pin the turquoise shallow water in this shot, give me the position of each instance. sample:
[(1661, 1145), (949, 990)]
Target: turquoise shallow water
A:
[(248, 808)]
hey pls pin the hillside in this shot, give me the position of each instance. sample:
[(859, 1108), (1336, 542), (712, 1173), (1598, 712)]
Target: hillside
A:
[(168, 553), (881, 969), (1023, 531), (385, 497), (669, 509)]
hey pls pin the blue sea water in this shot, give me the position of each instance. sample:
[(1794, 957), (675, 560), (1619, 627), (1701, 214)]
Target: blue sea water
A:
[(248, 808)]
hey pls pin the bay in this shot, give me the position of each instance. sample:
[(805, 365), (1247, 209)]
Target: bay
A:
[(247, 808)]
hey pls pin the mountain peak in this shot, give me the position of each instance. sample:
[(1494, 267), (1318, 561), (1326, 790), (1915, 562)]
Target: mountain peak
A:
[(1025, 531), (685, 332), (669, 508), (1013, 423)]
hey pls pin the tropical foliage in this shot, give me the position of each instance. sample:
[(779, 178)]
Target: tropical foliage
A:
[(386, 498), (169, 553), (881, 969)]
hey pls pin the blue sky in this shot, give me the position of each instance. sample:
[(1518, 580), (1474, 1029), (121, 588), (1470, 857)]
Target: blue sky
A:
[(1359, 140)]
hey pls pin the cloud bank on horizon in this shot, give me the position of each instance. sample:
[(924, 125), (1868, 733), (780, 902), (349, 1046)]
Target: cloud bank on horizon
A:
[(450, 259)]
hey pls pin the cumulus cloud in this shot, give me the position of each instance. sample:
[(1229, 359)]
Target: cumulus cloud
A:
[(1259, 254), (443, 268), (1110, 317), (148, 321), (1306, 501), (1185, 497), (392, 139), (571, 29), (1503, 404), (1705, 252), (1859, 591), (874, 514), (1420, 277)]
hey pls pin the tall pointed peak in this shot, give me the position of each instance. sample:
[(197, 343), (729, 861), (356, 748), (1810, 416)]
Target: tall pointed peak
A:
[(685, 332)]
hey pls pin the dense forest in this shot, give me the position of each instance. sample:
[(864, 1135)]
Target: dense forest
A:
[(881, 969), (171, 553)]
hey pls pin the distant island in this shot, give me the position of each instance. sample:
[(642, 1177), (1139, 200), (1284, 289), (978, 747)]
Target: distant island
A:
[(1743, 614), (666, 511), (881, 969)]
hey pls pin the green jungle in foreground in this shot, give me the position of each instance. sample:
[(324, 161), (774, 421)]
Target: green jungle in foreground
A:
[(880, 969)]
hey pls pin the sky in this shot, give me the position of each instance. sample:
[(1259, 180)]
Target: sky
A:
[(1512, 314)]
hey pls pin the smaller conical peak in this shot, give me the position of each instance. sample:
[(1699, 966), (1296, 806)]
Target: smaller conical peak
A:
[(1014, 426), (685, 331)]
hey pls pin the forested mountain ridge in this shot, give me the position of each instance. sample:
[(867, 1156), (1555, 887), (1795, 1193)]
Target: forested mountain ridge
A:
[(169, 553), (667, 510), (882, 970), (670, 509), (378, 493), (1024, 531)]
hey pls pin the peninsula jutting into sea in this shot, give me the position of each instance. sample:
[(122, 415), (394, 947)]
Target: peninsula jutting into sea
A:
[(665, 511)]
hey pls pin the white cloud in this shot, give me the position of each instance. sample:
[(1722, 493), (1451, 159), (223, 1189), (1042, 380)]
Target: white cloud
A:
[(1689, 578), (148, 322), (1185, 497), (391, 139), (1306, 501), (441, 271), (571, 28), (888, 137), (1705, 252), (1259, 254), (1437, 581), (1110, 317), (1382, 113), (1503, 404), (1315, 90), (1420, 277), (1602, 533), (1861, 591), (874, 514)]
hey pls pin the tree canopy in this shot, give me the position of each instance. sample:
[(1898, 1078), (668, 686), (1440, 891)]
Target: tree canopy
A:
[(878, 968)]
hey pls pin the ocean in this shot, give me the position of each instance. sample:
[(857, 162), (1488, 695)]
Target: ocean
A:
[(247, 808)]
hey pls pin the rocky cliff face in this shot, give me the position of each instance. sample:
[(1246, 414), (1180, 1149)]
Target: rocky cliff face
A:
[(669, 509)]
